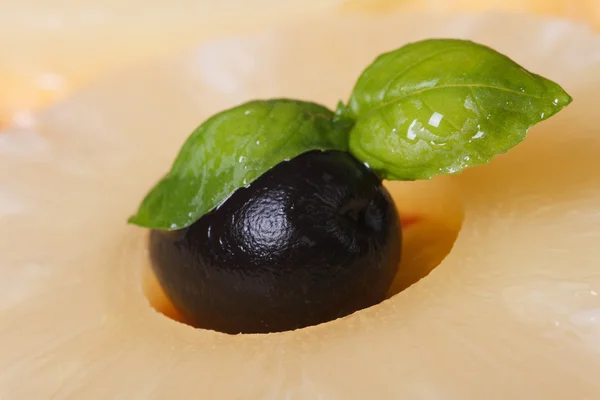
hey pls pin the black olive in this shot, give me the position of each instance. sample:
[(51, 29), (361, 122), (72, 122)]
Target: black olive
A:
[(313, 239)]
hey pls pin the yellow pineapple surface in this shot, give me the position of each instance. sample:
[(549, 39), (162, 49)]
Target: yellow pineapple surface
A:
[(512, 311), (51, 49)]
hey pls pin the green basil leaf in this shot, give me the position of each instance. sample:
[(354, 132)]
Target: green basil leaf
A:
[(438, 106), (230, 150)]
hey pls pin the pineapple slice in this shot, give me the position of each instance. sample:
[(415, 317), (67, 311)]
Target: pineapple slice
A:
[(513, 311)]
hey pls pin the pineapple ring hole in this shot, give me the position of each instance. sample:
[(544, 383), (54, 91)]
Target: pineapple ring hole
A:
[(431, 214)]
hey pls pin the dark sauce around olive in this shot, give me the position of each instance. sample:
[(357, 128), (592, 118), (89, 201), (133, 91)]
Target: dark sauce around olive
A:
[(311, 240)]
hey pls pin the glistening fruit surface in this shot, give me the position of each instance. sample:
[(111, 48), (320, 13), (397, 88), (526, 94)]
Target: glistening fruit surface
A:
[(313, 239)]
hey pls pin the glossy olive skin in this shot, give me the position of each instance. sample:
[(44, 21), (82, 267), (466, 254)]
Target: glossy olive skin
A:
[(313, 239)]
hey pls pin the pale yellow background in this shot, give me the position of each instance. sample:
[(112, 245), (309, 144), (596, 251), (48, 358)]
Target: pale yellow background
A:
[(52, 47)]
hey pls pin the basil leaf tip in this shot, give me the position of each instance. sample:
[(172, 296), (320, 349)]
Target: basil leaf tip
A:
[(441, 105)]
